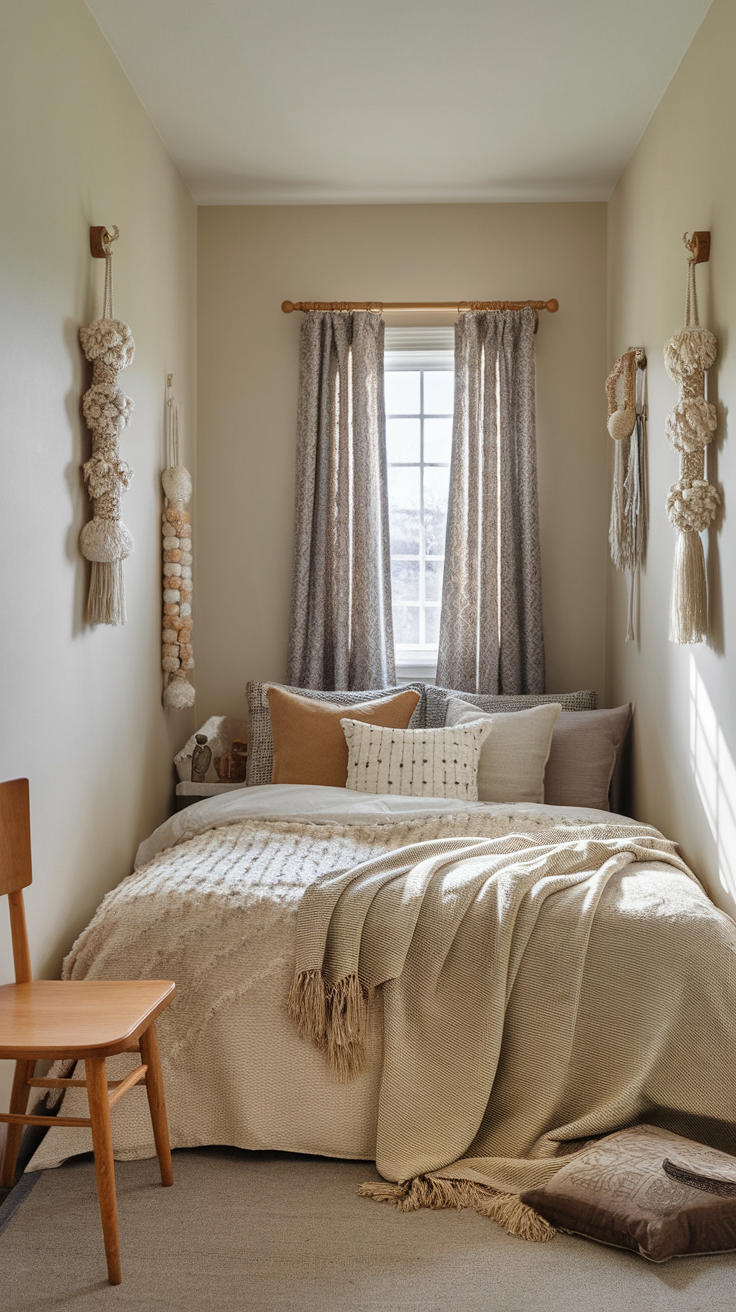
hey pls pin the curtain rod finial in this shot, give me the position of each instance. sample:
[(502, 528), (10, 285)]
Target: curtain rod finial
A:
[(553, 306), (287, 306)]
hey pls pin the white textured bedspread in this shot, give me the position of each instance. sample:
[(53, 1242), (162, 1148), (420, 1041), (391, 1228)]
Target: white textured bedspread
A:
[(213, 905)]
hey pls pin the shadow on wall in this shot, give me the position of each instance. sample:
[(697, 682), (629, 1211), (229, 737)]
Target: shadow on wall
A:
[(715, 776)]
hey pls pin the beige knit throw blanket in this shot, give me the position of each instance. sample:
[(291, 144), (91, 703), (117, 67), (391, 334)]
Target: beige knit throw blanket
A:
[(518, 1009)]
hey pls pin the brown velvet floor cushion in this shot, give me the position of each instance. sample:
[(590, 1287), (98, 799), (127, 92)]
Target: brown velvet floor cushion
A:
[(648, 1190), (309, 745), (583, 755)]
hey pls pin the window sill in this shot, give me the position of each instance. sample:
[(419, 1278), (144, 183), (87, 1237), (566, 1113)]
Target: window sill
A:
[(416, 666)]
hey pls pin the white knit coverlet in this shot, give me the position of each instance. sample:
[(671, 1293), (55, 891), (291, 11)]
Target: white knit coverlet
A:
[(217, 914)]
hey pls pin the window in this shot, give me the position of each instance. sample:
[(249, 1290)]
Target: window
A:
[(419, 387)]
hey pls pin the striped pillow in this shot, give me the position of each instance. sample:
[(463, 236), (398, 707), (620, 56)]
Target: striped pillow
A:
[(415, 762)]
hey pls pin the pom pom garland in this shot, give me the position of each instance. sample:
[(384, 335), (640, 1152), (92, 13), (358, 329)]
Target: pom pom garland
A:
[(691, 424), (177, 656), (692, 504), (691, 351), (108, 340)]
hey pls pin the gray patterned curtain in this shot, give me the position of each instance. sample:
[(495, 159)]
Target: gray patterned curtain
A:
[(341, 633), (491, 623)]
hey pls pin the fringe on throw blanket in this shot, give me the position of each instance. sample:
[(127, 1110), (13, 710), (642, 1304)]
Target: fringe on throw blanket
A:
[(333, 1017), (437, 1193)]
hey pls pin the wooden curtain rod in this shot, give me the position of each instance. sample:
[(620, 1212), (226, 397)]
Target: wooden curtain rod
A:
[(459, 307)]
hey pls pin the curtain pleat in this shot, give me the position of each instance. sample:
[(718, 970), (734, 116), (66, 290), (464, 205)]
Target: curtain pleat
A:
[(341, 632), (491, 636)]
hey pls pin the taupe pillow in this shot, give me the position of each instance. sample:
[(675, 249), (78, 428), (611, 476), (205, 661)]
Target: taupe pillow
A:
[(583, 755), (648, 1190), (309, 745), (514, 754), (260, 738)]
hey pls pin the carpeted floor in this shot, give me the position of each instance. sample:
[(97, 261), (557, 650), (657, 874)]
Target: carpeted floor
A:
[(267, 1231)]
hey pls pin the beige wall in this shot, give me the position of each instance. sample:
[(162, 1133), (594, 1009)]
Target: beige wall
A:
[(250, 260), (682, 178), (80, 708)]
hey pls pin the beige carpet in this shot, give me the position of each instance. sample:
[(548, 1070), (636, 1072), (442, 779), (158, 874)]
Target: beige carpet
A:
[(267, 1231)]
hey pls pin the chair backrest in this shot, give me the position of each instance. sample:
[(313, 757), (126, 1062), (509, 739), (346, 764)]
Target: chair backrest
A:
[(15, 866), (15, 836)]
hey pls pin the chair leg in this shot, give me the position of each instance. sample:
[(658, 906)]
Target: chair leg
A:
[(18, 1104), (99, 1111), (157, 1102)]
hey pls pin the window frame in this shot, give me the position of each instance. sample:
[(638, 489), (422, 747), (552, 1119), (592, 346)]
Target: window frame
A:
[(419, 350)]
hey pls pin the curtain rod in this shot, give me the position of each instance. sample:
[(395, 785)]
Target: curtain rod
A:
[(459, 307)]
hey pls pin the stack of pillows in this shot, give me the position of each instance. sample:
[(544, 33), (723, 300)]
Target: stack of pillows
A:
[(423, 741)]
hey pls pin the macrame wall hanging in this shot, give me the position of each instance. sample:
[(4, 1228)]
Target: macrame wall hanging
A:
[(627, 414), (105, 541), (692, 502), (177, 653)]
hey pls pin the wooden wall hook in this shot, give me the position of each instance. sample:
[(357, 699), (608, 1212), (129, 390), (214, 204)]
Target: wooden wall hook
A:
[(699, 244), (99, 240)]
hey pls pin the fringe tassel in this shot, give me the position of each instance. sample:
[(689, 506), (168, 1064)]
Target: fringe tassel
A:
[(333, 1017), (515, 1217), (106, 599), (630, 608), (689, 611), (308, 1006)]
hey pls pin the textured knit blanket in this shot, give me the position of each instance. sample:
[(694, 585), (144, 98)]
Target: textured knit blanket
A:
[(538, 989), (556, 997)]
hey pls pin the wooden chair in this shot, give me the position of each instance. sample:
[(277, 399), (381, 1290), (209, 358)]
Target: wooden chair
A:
[(88, 1020)]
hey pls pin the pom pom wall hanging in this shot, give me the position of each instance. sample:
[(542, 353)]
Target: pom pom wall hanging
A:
[(105, 541), (627, 414), (177, 653), (692, 502)]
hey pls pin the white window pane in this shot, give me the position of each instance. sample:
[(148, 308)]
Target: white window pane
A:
[(439, 391), (433, 571), (406, 625), (402, 392), (437, 440), (403, 510), (402, 440), (436, 490), (432, 625), (405, 580)]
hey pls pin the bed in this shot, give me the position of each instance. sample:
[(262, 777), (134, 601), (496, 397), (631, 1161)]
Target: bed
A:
[(214, 901)]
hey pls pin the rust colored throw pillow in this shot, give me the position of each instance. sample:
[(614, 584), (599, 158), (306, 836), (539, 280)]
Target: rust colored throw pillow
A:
[(309, 745), (648, 1190), (582, 756)]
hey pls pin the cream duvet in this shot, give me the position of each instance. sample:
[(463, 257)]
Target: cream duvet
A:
[(214, 903)]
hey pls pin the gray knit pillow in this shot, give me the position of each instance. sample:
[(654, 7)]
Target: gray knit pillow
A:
[(260, 737), (434, 703)]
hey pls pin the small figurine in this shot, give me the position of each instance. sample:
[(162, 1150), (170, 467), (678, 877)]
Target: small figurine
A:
[(201, 757), (232, 765)]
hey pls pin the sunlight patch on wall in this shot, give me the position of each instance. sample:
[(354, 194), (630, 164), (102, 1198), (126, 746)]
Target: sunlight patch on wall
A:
[(715, 776)]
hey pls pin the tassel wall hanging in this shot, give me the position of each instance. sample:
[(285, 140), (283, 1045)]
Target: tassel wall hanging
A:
[(627, 413), (105, 541), (177, 652), (692, 501)]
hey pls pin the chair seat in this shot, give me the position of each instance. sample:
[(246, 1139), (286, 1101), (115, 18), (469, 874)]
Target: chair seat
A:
[(78, 1018)]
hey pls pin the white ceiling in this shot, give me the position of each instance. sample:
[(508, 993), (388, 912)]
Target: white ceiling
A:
[(354, 101)]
